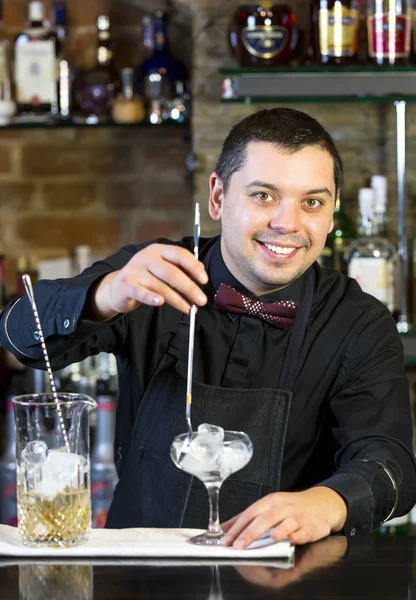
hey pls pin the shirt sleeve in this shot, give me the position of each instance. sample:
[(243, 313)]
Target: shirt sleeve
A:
[(69, 337), (375, 464)]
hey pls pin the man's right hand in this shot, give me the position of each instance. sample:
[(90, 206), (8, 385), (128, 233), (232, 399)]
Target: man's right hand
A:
[(157, 274)]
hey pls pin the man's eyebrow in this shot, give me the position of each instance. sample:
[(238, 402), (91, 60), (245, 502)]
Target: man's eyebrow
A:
[(257, 183), (270, 186)]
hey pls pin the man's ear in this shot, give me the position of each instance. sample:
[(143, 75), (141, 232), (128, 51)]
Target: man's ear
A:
[(216, 197)]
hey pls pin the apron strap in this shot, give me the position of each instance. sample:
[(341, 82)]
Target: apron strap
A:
[(297, 336)]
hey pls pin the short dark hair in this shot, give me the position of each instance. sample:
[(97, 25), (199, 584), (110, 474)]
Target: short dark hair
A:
[(285, 128)]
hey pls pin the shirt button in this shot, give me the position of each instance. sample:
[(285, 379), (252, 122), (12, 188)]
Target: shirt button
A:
[(353, 531), (36, 335), (67, 323)]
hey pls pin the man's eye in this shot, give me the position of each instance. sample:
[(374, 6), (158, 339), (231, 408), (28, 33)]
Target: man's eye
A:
[(313, 203), (264, 197)]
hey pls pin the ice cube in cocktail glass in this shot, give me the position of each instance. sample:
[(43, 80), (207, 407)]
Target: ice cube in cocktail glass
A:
[(53, 469), (214, 454)]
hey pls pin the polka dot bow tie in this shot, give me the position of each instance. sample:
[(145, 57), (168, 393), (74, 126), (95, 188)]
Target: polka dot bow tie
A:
[(278, 314)]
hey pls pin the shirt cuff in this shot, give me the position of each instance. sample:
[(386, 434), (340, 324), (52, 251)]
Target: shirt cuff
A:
[(359, 499)]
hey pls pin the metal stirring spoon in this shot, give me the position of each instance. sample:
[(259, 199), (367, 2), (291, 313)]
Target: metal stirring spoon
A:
[(27, 282), (187, 442)]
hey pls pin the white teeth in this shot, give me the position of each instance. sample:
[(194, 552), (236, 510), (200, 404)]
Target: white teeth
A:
[(280, 249)]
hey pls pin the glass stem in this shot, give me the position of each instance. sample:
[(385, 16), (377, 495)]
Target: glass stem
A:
[(214, 515)]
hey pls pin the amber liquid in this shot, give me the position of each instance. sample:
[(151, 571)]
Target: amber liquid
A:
[(64, 521), (335, 31)]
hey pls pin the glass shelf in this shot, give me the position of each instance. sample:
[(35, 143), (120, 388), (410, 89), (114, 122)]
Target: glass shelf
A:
[(79, 125), (319, 84)]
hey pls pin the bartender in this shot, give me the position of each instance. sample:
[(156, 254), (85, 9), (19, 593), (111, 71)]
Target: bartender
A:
[(296, 356)]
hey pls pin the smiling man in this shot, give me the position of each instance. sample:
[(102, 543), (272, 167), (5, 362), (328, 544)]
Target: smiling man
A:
[(298, 357)]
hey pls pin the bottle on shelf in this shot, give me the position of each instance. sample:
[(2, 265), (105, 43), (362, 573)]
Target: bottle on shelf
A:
[(335, 31), (389, 31), (59, 19), (8, 507), (95, 89), (372, 258), (7, 104), (81, 259), (263, 34), (36, 51), (3, 287), (338, 240), (159, 73), (128, 106), (103, 471)]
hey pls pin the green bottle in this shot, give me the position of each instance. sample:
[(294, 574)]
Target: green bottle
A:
[(344, 231)]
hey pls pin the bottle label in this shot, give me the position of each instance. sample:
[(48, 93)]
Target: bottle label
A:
[(338, 31), (265, 41), (35, 73), (371, 275), (388, 37)]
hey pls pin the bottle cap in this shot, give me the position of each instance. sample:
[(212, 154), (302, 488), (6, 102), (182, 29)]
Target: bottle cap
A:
[(379, 185), (36, 11), (366, 201)]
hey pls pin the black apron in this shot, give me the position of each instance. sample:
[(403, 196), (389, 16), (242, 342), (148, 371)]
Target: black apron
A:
[(152, 491)]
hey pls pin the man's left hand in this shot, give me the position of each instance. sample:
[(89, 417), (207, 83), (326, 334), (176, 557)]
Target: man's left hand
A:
[(301, 517)]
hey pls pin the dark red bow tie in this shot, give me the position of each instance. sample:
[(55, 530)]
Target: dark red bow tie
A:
[(279, 314)]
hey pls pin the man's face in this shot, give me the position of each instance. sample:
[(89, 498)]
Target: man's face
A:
[(275, 215)]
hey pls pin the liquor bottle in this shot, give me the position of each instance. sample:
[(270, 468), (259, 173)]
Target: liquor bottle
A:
[(59, 19), (158, 73), (371, 258), (81, 259), (128, 106), (96, 89), (103, 471), (399, 526), (389, 31), (8, 509), (36, 50), (263, 34), (335, 31), (338, 240)]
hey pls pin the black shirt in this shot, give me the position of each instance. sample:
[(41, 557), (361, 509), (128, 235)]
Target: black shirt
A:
[(349, 426)]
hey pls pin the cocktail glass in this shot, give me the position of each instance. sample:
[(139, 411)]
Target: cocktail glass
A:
[(53, 469), (212, 464)]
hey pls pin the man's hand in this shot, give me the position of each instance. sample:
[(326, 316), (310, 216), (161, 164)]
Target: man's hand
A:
[(157, 274), (301, 517)]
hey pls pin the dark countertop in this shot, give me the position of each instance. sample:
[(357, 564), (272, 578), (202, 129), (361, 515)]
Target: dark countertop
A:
[(335, 568)]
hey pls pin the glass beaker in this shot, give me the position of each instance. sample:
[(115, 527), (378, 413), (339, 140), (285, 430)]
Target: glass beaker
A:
[(53, 469)]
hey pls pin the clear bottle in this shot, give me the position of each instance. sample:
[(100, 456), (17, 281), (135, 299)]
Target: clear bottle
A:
[(371, 258), (96, 88), (36, 51), (81, 259), (389, 31), (103, 471)]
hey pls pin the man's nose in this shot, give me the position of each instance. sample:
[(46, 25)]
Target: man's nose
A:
[(286, 217)]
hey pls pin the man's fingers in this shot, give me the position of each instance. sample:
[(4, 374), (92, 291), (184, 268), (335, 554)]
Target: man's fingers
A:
[(161, 290), (177, 280), (184, 259), (301, 536), (247, 529), (286, 528), (228, 524)]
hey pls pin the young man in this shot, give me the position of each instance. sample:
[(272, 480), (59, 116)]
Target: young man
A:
[(315, 376)]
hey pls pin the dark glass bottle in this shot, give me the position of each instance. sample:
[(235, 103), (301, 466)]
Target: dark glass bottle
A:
[(344, 231), (96, 89), (263, 35), (159, 73), (36, 50), (335, 31), (388, 31)]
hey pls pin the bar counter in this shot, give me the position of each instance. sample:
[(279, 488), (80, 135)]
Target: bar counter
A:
[(335, 568)]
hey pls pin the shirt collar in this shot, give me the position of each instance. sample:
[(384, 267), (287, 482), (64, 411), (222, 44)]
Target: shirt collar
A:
[(219, 273)]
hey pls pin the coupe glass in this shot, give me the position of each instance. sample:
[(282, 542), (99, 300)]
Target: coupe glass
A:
[(212, 465)]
